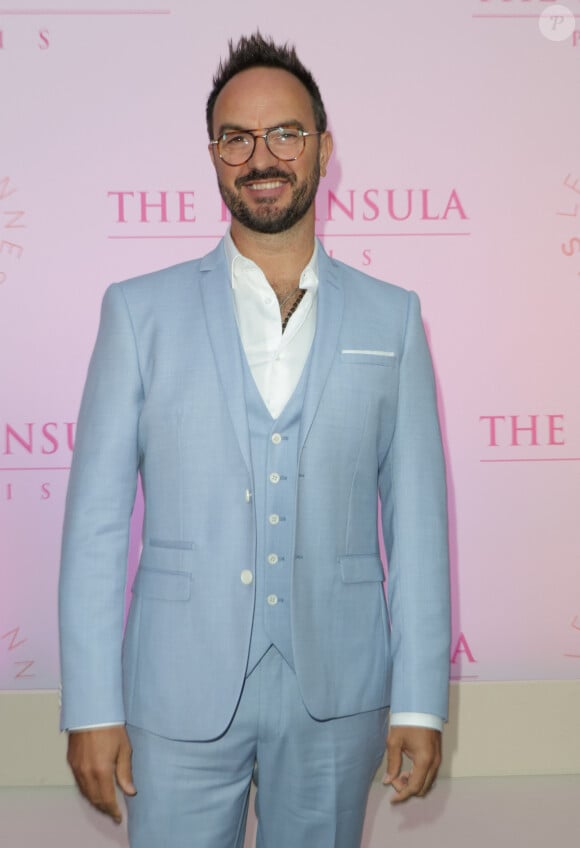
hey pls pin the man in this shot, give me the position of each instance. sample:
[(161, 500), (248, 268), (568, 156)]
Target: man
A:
[(265, 394)]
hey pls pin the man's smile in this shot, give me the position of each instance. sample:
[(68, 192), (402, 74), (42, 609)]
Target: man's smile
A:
[(267, 179), (266, 185)]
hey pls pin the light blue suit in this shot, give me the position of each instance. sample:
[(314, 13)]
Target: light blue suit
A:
[(165, 397)]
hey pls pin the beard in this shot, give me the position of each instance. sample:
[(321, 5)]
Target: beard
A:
[(267, 218)]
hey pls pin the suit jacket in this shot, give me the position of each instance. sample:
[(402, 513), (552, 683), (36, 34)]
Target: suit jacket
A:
[(164, 398)]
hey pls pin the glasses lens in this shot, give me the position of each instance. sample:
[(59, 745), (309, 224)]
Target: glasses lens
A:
[(235, 148), (285, 143)]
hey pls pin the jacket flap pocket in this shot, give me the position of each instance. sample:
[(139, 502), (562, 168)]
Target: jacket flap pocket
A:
[(162, 585), (171, 544), (361, 569)]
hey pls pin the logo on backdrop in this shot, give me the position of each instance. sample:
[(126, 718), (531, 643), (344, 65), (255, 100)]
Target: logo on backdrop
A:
[(569, 214), (463, 660), (365, 213), (35, 37), (153, 207), (359, 206), (527, 438), (516, 431), (33, 457), (15, 655), (12, 222), (574, 652)]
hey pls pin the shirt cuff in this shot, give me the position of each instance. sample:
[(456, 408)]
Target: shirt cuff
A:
[(95, 726), (434, 722)]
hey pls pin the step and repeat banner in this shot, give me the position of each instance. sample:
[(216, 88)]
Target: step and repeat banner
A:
[(456, 173)]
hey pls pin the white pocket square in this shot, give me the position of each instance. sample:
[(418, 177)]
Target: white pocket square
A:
[(368, 352)]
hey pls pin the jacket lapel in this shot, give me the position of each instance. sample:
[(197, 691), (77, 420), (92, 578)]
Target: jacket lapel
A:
[(223, 332), (328, 322), (224, 337)]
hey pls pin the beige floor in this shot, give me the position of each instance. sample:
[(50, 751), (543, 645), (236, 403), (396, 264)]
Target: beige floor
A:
[(460, 813)]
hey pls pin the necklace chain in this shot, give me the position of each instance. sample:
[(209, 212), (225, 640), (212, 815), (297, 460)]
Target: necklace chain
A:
[(285, 300), (293, 308)]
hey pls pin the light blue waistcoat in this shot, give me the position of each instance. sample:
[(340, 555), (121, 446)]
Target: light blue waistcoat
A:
[(274, 447)]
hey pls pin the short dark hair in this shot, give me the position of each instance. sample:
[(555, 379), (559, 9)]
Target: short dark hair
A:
[(254, 51)]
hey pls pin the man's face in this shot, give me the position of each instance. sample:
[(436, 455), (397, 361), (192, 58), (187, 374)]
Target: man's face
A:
[(266, 194)]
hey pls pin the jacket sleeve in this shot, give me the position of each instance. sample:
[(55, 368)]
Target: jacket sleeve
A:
[(95, 543), (414, 520)]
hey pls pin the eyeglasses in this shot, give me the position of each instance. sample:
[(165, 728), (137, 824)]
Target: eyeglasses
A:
[(285, 143)]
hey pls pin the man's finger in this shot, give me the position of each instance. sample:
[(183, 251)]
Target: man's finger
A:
[(413, 786), (123, 771), (429, 780), (93, 756), (99, 789), (423, 747), (400, 782), (394, 762), (416, 782), (106, 800)]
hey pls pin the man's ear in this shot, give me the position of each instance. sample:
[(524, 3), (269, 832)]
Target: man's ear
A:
[(212, 153), (325, 151)]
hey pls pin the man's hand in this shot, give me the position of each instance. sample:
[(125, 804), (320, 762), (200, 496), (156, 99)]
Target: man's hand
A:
[(423, 746), (98, 758)]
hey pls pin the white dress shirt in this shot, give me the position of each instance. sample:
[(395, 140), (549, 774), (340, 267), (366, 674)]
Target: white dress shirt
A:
[(277, 359)]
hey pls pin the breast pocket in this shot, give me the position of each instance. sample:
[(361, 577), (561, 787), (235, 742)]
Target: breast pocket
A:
[(360, 356)]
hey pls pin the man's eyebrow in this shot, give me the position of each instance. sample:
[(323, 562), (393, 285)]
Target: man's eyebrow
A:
[(291, 122), (230, 128)]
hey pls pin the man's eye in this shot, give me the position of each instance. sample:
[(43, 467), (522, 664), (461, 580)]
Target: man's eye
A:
[(287, 135), (236, 140)]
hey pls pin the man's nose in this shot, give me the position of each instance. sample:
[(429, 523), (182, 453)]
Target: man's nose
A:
[(262, 155)]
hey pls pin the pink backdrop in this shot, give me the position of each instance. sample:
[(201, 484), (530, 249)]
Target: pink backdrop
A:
[(457, 174)]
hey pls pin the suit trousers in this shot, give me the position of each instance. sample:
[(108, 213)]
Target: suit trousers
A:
[(313, 777)]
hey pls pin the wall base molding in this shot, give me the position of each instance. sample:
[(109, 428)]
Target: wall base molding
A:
[(511, 728)]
